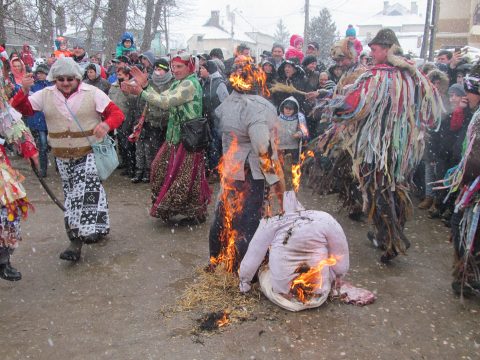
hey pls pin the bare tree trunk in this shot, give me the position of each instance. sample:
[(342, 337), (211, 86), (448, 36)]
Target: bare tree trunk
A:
[(147, 29), (45, 9), (91, 25), (157, 15), (114, 24), (3, 33), (165, 27)]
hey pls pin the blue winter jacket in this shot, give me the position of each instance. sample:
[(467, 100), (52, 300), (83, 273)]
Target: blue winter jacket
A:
[(37, 121)]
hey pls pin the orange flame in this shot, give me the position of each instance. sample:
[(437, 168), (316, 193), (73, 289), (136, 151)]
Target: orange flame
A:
[(296, 172), (303, 287), (233, 203), (247, 76), (223, 320)]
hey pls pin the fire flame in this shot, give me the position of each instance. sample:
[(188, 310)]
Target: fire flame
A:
[(248, 76), (223, 320), (232, 201), (296, 172), (303, 287)]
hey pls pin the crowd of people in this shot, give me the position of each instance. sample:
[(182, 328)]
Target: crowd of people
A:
[(378, 126)]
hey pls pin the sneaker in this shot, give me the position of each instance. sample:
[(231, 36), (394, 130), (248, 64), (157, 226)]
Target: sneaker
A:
[(136, 179), (426, 203), (8, 272), (145, 180)]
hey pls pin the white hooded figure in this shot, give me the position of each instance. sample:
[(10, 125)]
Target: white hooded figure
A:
[(297, 237)]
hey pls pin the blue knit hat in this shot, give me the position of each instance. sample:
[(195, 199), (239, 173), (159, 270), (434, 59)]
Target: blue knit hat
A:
[(351, 31)]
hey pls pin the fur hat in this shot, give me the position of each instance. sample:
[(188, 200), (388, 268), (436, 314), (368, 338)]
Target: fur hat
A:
[(343, 49), (65, 66), (385, 37)]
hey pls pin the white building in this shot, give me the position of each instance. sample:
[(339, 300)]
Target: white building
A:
[(407, 24), (227, 32)]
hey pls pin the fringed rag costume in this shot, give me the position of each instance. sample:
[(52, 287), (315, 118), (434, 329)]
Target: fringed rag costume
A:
[(464, 179), (14, 203), (381, 123)]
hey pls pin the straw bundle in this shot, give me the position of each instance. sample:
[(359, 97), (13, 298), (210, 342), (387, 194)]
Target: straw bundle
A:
[(279, 87)]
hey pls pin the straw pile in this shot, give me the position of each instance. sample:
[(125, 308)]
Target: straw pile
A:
[(218, 291)]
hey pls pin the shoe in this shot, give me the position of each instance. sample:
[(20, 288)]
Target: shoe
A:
[(73, 252), (372, 238), (434, 212), (387, 257), (93, 239), (426, 203), (136, 179), (145, 180), (8, 272), (356, 216)]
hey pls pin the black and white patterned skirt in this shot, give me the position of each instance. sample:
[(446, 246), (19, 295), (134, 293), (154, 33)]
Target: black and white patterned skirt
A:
[(85, 199)]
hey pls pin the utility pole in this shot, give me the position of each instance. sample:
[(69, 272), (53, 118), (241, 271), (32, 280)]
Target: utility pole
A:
[(307, 22), (433, 28), (423, 51)]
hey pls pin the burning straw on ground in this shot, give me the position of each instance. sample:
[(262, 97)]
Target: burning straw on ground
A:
[(218, 291)]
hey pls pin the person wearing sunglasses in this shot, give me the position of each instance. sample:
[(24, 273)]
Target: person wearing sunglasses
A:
[(74, 110)]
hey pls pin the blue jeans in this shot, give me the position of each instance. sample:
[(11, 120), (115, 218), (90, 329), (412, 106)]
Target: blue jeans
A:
[(42, 145)]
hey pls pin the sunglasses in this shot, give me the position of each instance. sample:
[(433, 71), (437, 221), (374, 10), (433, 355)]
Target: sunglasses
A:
[(62, 79)]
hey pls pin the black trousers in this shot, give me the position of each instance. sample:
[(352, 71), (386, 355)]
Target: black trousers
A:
[(245, 222)]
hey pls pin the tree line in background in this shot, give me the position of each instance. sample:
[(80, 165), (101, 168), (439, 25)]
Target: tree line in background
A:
[(321, 29), (48, 19)]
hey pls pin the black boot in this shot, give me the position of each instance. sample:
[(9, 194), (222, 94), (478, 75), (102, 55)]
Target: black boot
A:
[(73, 252), (8, 272)]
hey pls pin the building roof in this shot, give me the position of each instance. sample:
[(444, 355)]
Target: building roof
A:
[(219, 27)]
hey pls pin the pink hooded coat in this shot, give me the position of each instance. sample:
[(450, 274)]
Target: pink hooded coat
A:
[(292, 52)]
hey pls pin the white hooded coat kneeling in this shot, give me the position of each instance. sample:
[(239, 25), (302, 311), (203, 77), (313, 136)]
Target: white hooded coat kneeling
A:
[(297, 237)]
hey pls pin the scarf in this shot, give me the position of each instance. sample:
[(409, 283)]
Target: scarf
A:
[(160, 80)]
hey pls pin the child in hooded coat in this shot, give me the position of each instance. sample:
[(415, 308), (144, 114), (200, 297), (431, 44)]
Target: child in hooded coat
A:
[(292, 130), (126, 45), (295, 48)]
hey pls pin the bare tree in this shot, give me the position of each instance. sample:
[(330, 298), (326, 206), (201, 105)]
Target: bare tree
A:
[(114, 24)]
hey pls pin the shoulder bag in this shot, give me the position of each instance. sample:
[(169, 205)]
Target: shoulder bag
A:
[(195, 134), (106, 158)]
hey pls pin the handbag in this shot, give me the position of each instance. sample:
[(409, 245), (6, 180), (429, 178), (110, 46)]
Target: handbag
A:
[(106, 158), (195, 134)]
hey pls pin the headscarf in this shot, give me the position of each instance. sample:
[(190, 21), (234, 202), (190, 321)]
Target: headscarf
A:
[(65, 66), (17, 75), (185, 58)]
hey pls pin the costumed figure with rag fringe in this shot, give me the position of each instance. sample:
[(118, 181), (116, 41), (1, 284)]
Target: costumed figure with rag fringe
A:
[(14, 204), (330, 170), (464, 181), (382, 120)]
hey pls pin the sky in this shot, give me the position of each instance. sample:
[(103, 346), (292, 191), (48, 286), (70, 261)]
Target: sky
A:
[(263, 15)]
